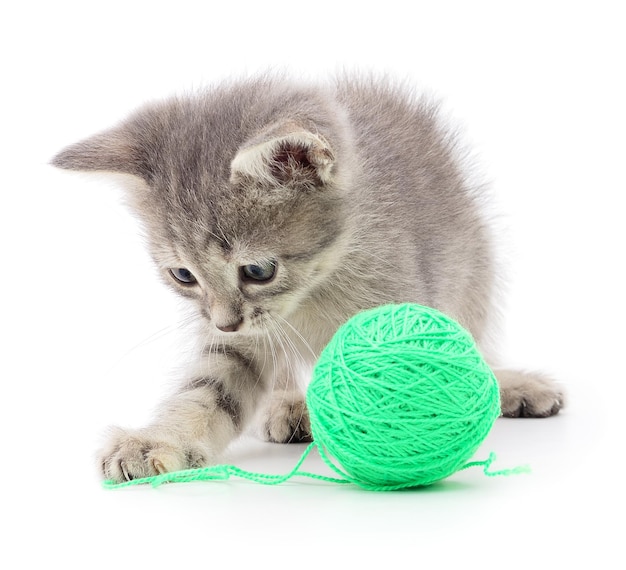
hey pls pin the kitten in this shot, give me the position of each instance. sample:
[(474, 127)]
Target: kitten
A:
[(279, 210)]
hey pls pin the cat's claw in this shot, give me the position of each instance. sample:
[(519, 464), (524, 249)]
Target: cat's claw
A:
[(158, 466), (124, 470)]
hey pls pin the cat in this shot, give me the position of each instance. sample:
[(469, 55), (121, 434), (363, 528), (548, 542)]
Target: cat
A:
[(279, 209)]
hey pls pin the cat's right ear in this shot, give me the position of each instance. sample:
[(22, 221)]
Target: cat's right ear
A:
[(110, 151), (285, 155)]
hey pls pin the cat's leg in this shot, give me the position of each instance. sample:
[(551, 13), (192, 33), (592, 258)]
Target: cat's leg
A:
[(286, 418), (193, 426), (528, 394)]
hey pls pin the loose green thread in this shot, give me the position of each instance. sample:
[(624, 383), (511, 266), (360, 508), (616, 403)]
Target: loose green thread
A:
[(225, 472), (486, 464), (400, 397)]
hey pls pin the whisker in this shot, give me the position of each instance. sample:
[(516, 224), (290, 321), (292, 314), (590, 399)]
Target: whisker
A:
[(294, 359), (299, 335), (257, 346), (157, 336), (292, 362)]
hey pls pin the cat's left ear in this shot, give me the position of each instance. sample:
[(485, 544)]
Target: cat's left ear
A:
[(285, 155), (110, 151)]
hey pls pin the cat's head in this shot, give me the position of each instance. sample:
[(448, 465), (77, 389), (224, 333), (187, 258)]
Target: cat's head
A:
[(239, 193)]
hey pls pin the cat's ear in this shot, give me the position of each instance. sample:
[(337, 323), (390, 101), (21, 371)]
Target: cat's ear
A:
[(110, 151), (285, 155)]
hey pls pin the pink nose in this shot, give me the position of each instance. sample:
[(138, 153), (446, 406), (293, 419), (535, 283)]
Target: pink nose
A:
[(232, 327)]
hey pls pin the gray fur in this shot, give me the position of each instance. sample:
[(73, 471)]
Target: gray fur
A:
[(353, 188)]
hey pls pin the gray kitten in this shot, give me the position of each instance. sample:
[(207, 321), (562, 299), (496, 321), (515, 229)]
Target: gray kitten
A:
[(279, 210)]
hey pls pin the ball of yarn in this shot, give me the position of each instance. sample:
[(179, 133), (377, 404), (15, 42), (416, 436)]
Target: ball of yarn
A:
[(401, 397)]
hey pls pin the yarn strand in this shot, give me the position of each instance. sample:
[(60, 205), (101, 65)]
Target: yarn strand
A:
[(225, 472), (486, 464)]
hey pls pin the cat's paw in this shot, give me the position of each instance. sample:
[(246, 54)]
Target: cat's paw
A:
[(134, 454), (288, 422), (528, 394)]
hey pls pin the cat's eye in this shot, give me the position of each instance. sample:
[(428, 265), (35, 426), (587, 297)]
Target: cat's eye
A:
[(183, 276), (259, 272)]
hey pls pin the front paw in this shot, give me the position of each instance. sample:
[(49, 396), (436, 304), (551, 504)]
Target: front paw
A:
[(288, 422), (135, 454)]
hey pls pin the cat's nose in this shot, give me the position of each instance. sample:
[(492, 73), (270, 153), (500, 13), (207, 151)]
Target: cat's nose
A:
[(232, 327)]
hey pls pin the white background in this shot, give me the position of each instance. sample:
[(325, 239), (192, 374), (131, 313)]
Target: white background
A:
[(90, 336)]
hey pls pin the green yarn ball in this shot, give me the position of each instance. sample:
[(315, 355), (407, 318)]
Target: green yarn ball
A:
[(401, 397)]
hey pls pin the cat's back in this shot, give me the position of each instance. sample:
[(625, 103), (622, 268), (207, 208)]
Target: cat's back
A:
[(382, 110), (401, 139), (414, 195)]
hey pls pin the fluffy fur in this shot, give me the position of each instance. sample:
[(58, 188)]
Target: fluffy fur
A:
[(280, 209)]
